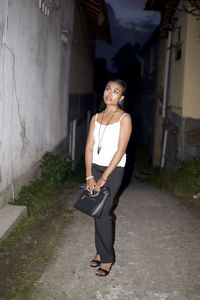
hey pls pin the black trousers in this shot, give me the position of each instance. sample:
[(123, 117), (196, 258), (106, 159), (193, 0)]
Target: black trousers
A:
[(104, 226)]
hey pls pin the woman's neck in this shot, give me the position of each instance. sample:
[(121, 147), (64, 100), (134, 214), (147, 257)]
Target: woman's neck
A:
[(111, 109)]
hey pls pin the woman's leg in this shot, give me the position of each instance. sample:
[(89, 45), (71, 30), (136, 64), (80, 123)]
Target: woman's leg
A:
[(104, 225)]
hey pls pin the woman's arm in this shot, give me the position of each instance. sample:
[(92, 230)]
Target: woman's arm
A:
[(125, 133), (90, 182)]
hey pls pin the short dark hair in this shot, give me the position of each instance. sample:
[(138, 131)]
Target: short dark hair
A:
[(121, 83)]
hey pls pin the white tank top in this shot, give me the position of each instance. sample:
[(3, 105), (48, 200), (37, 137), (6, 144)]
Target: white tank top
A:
[(109, 143)]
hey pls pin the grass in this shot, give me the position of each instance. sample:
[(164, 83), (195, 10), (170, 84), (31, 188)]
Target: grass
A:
[(54, 171), (184, 182), (26, 251)]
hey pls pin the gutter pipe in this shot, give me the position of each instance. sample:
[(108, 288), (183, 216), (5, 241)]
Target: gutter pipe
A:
[(165, 93)]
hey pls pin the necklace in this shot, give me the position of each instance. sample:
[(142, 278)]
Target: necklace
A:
[(101, 135)]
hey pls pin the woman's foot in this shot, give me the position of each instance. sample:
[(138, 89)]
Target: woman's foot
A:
[(104, 269), (96, 261)]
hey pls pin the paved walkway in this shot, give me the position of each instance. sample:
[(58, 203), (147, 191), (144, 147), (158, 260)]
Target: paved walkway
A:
[(157, 249)]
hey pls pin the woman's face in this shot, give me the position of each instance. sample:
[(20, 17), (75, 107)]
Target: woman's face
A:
[(113, 93)]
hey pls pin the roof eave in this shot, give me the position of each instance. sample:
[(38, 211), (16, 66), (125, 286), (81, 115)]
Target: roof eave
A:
[(167, 10), (96, 13)]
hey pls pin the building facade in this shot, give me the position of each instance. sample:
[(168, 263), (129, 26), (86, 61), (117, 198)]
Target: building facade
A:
[(176, 132)]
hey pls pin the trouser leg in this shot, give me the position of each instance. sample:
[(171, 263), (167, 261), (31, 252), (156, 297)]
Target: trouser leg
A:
[(104, 230)]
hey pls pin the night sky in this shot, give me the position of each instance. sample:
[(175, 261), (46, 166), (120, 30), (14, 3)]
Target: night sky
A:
[(129, 23)]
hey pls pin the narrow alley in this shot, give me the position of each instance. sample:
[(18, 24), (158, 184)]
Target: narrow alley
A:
[(56, 60), (157, 251)]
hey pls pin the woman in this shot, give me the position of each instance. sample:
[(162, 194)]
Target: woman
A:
[(105, 159)]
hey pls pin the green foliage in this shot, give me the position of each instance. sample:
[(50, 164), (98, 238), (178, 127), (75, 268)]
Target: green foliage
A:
[(188, 176), (36, 196), (184, 182), (54, 168)]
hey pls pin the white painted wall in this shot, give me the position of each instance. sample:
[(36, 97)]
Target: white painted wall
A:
[(176, 76), (184, 73), (191, 88), (34, 81)]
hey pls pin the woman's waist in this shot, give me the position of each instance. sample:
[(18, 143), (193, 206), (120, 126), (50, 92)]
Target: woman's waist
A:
[(104, 158), (102, 168)]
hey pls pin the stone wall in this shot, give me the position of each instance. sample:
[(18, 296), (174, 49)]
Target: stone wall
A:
[(183, 140)]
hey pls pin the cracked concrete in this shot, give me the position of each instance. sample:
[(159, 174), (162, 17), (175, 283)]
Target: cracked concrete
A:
[(23, 132), (157, 250)]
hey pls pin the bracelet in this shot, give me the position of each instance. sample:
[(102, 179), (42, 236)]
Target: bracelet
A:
[(89, 177)]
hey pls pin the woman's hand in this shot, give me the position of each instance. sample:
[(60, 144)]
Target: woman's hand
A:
[(90, 184), (100, 182)]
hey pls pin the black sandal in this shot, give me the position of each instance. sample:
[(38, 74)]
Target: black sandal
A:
[(103, 272), (95, 263)]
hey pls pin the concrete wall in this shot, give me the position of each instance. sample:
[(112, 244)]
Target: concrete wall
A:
[(81, 105), (191, 88), (183, 95), (158, 127), (183, 140), (34, 85), (177, 65), (149, 96), (173, 122), (82, 58)]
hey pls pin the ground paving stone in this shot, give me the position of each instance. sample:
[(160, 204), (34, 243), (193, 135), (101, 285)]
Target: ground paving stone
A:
[(157, 250)]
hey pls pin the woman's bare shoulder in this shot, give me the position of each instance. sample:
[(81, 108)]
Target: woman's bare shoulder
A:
[(92, 120), (124, 114), (95, 117)]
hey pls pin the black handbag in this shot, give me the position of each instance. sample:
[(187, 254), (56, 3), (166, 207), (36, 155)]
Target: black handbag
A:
[(92, 204)]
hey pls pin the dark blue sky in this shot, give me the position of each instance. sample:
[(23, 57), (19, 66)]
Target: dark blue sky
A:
[(129, 23)]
